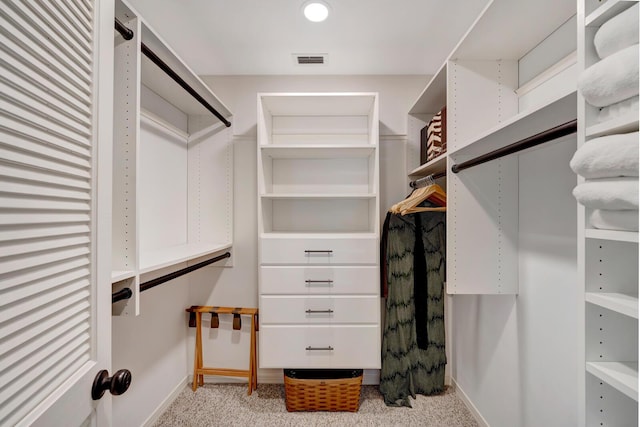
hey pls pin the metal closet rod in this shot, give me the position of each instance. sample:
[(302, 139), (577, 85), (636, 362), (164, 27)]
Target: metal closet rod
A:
[(540, 138), (126, 293), (127, 34), (426, 179)]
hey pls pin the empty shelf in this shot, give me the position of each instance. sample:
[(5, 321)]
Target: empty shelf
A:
[(623, 376), (620, 303)]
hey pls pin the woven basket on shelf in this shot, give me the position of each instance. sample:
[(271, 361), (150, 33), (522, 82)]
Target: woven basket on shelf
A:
[(341, 394)]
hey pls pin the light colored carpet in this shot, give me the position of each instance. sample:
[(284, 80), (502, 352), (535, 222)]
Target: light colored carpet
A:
[(229, 405)]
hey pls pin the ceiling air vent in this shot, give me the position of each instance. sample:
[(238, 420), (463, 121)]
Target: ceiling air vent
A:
[(310, 59)]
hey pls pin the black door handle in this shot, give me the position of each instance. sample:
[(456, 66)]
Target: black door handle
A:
[(117, 384)]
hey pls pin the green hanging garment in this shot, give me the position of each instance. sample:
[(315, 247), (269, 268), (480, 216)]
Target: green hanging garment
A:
[(413, 343)]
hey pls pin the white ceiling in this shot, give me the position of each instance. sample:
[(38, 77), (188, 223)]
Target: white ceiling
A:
[(234, 37)]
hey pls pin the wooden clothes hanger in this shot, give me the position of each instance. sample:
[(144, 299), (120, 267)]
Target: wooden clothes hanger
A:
[(431, 192)]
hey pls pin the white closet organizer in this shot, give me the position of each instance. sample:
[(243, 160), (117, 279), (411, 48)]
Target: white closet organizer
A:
[(505, 81), (172, 186), (318, 222), (608, 267)]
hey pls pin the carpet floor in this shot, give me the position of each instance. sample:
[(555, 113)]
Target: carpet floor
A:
[(229, 405)]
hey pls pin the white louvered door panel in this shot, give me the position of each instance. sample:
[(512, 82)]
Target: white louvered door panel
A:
[(54, 333)]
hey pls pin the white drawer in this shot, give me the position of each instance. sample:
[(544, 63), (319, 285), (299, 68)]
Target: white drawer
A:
[(320, 280), (319, 309), (321, 250), (337, 347)]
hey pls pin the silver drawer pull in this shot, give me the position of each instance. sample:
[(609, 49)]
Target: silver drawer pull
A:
[(319, 348), (318, 251), (329, 311), (326, 282)]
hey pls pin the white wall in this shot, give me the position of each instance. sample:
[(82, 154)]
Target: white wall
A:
[(516, 357), (238, 285)]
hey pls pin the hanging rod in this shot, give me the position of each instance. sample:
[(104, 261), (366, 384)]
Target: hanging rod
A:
[(127, 34), (126, 292), (426, 179), (540, 138)]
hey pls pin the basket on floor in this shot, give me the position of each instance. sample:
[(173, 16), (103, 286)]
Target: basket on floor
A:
[(328, 391)]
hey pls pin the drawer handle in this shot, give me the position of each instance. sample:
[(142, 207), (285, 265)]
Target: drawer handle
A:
[(326, 282), (319, 311), (318, 251), (319, 348)]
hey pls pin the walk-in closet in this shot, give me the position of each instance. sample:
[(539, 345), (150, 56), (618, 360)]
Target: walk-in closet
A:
[(319, 212)]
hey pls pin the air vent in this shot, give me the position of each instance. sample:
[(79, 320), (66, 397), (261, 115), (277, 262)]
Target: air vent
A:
[(310, 59)]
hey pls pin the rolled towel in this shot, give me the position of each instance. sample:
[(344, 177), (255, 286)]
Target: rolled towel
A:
[(614, 220), (612, 79), (628, 106), (607, 156), (608, 193), (617, 33)]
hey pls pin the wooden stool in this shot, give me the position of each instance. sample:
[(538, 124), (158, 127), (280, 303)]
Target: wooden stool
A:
[(195, 320)]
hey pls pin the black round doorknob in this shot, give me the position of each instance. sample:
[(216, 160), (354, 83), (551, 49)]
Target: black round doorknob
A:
[(117, 384)]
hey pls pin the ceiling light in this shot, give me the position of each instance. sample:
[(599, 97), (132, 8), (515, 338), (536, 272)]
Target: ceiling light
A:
[(316, 11)]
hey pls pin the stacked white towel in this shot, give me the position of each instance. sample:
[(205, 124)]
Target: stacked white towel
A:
[(609, 164)]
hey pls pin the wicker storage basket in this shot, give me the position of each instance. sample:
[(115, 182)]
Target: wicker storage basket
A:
[(322, 394)]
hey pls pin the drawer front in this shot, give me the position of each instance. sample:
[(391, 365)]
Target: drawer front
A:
[(337, 347), (319, 251), (320, 280), (319, 309)]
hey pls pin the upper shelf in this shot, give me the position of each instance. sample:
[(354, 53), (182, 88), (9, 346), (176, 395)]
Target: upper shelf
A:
[(166, 257), (159, 82), (318, 104), (434, 96), (508, 29), (607, 11), (434, 166), (301, 151)]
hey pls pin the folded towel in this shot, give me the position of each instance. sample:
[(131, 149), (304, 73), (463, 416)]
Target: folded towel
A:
[(628, 106), (614, 220), (608, 193), (607, 157), (617, 33), (612, 79)]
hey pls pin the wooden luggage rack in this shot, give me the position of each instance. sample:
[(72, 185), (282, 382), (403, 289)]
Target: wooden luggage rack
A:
[(195, 320)]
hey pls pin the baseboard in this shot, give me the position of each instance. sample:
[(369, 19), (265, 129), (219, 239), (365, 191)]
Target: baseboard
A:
[(275, 376), (470, 406), (155, 415)]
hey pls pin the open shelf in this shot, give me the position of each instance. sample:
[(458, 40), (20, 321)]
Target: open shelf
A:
[(166, 257), (118, 275), (620, 303), (623, 376), (437, 165), (607, 11), (483, 41), (299, 151), (307, 196), (620, 236), (434, 95), (560, 110), (623, 124)]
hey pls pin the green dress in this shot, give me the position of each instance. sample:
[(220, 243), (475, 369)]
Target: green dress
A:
[(413, 343)]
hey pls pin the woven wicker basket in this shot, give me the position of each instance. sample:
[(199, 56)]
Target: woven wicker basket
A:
[(341, 394)]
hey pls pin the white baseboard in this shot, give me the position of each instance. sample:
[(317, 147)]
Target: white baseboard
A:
[(470, 406), (275, 376), (166, 402)]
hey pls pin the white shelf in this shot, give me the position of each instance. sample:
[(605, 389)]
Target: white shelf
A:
[(301, 151), (620, 236), (434, 95), (119, 275), (504, 28), (317, 235), (623, 376), (166, 257), (318, 104), (620, 303), (623, 124), (433, 166), (560, 110), (607, 11), (309, 196)]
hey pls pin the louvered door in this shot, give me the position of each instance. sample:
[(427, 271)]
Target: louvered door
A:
[(56, 85)]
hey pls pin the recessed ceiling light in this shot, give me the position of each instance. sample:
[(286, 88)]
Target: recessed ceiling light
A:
[(316, 11)]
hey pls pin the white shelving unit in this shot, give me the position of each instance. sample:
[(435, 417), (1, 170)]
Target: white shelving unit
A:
[(172, 185), (482, 83), (318, 223), (608, 268)]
